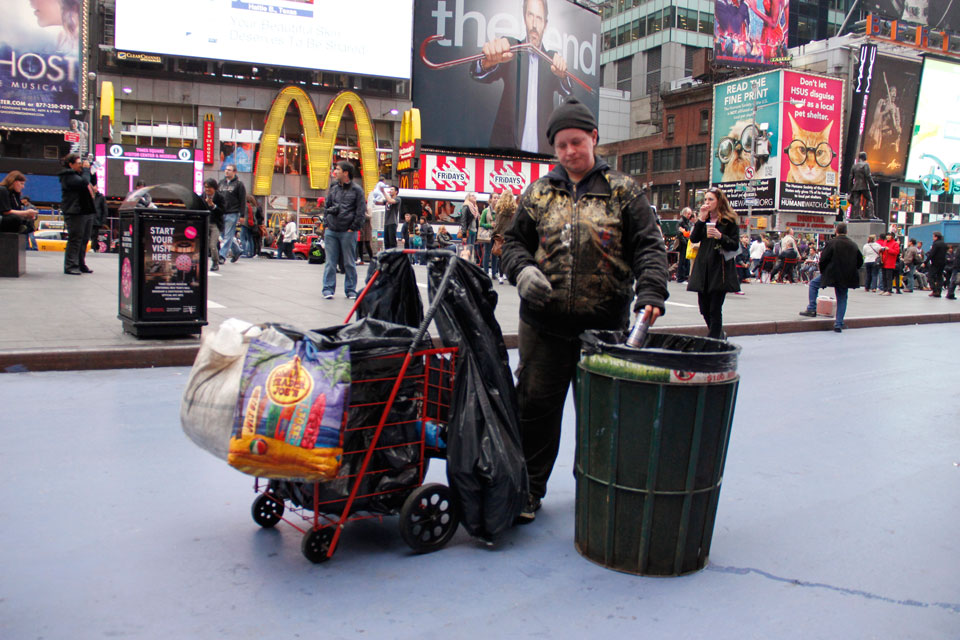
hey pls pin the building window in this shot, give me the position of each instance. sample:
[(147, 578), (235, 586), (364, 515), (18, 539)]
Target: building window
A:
[(654, 22), (705, 22), (665, 196), (653, 71), (634, 164), (671, 125), (696, 156), (639, 28), (704, 121), (669, 18), (686, 19), (609, 40), (693, 189), (666, 159), (624, 73)]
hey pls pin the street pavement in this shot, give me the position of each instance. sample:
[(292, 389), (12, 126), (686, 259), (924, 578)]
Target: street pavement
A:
[(837, 518), (55, 321)]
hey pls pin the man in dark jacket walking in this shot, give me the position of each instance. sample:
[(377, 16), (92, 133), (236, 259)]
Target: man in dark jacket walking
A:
[(234, 203), (840, 263), (860, 183), (937, 259), (346, 209), (583, 243)]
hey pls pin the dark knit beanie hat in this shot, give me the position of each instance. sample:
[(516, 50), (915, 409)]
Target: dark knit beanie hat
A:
[(572, 114)]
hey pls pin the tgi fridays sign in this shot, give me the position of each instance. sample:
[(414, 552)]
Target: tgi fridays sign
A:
[(481, 175)]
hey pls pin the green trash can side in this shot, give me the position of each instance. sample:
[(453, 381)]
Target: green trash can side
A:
[(649, 464)]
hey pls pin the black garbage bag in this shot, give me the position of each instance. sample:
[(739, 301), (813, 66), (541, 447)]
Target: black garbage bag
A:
[(394, 466), (394, 296), (485, 463)]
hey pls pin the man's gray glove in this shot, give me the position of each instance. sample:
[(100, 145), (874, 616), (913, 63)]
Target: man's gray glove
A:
[(533, 286)]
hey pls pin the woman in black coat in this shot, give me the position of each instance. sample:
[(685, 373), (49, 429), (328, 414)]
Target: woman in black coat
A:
[(714, 272), (76, 204)]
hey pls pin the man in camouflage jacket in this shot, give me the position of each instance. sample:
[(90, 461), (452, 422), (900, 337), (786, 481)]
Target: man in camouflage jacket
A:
[(583, 243)]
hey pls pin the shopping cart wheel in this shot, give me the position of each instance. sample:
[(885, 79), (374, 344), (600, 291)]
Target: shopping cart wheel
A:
[(316, 544), (266, 510), (429, 517)]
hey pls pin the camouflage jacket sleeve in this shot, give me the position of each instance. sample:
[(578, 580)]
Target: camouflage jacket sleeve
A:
[(520, 240), (646, 252)]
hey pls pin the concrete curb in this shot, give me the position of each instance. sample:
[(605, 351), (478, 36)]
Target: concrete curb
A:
[(153, 355)]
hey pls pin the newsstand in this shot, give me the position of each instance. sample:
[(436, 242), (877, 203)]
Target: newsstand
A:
[(653, 425), (163, 262)]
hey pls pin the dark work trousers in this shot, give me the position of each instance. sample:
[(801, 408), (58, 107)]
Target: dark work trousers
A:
[(390, 236), (683, 265), (711, 308), (547, 365), (79, 228), (936, 279)]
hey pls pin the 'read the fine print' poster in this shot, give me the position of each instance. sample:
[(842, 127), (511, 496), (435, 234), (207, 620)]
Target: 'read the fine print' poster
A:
[(776, 141)]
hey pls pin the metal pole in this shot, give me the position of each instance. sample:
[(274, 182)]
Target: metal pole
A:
[(853, 7), (753, 148)]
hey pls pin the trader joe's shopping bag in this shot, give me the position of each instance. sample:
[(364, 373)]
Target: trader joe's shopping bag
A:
[(289, 411)]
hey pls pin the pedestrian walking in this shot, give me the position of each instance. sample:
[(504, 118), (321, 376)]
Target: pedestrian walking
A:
[(345, 215), (583, 244), (214, 203), (840, 263), (76, 204), (871, 261), (911, 260), (234, 203), (714, 275), (683, 228), (489, 262), (937, 260), (888, 259), (506, 210), (951, 272), (469, 223), (391, 216), (289, 237)]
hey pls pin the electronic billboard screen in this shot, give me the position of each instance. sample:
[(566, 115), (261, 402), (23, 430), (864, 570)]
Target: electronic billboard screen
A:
[(935, 146), (368, 37), (488, 73), (940, 15), (889, 118), (751, 33)]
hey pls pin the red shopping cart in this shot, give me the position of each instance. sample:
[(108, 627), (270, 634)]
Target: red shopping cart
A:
[(428, 512)]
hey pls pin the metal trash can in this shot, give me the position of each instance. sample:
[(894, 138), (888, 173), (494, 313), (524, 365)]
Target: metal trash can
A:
[(163, 263), (653, 425)]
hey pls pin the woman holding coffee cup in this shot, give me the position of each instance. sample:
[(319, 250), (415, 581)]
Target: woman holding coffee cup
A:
[(714, 272)]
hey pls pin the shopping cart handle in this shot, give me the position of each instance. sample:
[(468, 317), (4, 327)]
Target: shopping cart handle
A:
[(437, 297)]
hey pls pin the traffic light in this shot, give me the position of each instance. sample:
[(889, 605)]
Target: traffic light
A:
[(834, 201), (946, 184)]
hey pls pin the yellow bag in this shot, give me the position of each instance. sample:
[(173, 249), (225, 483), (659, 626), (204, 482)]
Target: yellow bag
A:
[(692, 248)]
